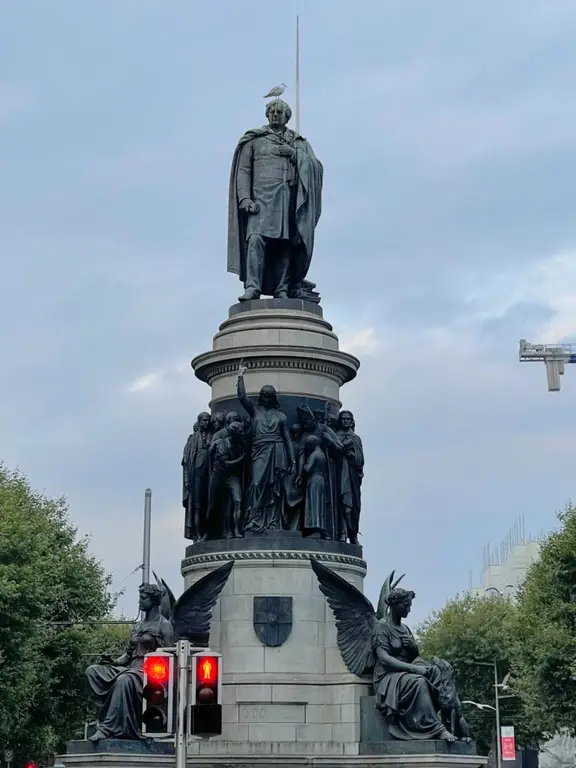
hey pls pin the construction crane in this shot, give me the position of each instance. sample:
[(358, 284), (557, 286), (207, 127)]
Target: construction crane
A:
[(555, 356)]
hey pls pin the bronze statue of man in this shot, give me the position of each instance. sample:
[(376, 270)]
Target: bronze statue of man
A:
[(195, 479), (275, 201)]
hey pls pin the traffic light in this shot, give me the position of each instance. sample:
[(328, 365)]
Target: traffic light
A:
[(159, 694), (206, 694)]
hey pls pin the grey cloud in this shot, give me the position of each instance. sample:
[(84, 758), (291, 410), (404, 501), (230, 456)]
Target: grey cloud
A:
[(15, 100)]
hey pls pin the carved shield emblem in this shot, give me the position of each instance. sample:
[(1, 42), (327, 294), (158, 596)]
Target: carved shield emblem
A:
[(273, 619)]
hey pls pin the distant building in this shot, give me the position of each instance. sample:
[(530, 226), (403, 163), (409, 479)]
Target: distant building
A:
[(505, 567)]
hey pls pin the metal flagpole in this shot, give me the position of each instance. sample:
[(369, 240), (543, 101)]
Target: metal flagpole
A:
[(297, 104), (147, 530)]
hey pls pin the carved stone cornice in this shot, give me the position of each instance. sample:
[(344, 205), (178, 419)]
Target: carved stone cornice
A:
[(256, 556), (339, 366)]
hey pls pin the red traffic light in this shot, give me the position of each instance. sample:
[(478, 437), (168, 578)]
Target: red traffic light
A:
[(207, 670), (157, 668)]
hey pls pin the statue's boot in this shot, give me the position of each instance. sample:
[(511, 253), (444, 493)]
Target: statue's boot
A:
[(281, 295), (98, 736), (248, 295)]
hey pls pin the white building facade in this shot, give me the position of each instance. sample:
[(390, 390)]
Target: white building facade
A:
[(505, 567)]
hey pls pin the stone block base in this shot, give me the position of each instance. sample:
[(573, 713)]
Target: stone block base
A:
[(375, 739), (148, 747), (271, 755)]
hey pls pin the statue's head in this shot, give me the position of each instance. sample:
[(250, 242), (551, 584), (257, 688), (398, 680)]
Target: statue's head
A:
[(446, 669), (307, 418), (311, 442), (235, 429), (320, 416), (278, 113), (203, 421), (218, 421), (332, 420), (232, 416), (195, 427), (268, 398), (149, 596), (346, 420), (400, 601)]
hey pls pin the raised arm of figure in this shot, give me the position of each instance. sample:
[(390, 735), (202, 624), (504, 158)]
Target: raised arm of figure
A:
[(247, 404)]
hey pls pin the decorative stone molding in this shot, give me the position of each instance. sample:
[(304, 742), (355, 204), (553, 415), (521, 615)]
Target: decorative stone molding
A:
[(210, 365), (279, 338), (272, 554)]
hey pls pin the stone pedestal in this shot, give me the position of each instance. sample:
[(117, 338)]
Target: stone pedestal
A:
[(288, 699), (296, 698), (283, 342), (298, 693), (265, 755)]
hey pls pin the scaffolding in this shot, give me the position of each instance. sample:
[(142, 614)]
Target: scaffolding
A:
[(555, 357)]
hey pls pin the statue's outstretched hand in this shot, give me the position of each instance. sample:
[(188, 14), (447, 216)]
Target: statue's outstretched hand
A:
[(241, 370), (249, 206)]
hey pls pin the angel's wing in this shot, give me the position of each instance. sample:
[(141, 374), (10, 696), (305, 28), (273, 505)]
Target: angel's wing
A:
[(168, 599), (355, 618), (193, 609), (387, 587)]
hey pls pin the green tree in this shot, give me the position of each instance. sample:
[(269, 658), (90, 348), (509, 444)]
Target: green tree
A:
[(544, 652), (470, 629), (47, 575)]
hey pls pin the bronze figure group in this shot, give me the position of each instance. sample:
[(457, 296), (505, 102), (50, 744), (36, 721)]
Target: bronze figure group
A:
[(261, 475)]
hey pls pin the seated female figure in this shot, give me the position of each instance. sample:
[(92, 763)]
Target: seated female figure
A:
[(406, 686), (117, 687)]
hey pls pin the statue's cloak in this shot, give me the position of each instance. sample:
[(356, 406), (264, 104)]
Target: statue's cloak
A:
[(309, 173)]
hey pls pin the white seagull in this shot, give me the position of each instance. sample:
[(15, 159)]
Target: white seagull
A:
[(504, 684), (278, 90), (479, 706)]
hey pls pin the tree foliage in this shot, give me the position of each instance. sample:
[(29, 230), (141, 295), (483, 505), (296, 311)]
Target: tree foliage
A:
[(544, 654), (47, 575), (482, 630)]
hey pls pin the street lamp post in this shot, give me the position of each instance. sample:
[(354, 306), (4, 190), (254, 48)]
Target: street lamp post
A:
[(496, 707)]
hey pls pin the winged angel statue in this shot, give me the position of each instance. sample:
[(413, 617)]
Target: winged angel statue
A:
[(410, 692), (116, 685)]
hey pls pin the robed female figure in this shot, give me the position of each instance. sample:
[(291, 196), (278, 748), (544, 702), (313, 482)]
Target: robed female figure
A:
[(271, 461), (407, 687)]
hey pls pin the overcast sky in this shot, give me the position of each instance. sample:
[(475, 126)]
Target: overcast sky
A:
[(447, 134)]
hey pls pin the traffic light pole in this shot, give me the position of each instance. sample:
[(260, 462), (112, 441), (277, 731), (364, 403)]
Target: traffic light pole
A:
[(181, 737)]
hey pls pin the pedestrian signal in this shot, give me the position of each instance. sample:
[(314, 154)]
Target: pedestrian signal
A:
[(159, 694), (206, 694)]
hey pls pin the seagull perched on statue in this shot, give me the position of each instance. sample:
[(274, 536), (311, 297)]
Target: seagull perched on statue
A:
[(275, 92)]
